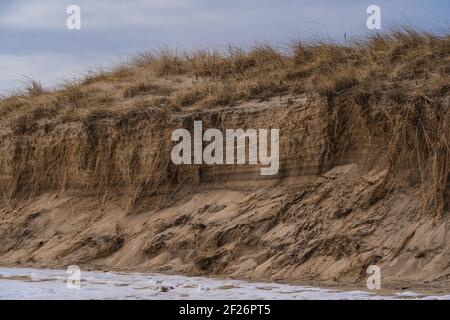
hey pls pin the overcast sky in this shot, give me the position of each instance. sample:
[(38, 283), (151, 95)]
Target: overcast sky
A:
[(35, 42)]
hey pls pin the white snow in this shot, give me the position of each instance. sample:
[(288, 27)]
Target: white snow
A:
[(24, 283)]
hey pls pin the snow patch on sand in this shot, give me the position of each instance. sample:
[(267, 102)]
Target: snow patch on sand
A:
[(24, 283)]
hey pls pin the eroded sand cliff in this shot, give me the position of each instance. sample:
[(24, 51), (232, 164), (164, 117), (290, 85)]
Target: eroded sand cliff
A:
[(86, 176)]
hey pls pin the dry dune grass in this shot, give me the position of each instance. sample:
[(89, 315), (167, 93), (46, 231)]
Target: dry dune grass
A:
[(391, 91)]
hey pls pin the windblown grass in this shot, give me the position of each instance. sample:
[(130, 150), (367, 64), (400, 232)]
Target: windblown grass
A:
[(389, 91)]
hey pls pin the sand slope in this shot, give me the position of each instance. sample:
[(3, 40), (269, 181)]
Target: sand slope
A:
[(292, 231)]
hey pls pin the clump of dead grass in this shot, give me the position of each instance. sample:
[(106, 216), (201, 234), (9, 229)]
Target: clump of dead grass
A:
[(145, 88)]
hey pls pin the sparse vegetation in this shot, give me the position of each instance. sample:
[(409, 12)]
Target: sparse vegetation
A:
[(34, 88)]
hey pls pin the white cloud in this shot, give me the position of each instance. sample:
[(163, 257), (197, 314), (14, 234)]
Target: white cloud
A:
[(36, 15), (50, 69), (101, 14)]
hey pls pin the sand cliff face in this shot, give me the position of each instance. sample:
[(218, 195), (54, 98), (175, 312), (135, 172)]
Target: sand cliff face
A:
[(364, 178), (305, 223), (104, 146)]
